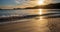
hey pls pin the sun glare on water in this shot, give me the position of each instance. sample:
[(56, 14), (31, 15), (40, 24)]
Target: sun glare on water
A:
[(40, 11)]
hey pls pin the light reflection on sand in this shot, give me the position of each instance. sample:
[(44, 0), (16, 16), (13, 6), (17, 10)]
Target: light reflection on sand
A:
[(43, 23)]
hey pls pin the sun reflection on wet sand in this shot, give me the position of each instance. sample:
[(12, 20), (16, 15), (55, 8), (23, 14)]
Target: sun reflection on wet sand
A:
[(43, 25), (43, 22)]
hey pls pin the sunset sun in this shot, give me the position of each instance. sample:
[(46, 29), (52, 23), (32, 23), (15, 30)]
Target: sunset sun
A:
[(41, 2)]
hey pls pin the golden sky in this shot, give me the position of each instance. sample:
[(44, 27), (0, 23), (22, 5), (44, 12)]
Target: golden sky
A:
[(25, 3)]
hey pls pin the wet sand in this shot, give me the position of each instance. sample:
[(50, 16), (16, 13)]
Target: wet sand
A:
[(36, 25), (54, 24)]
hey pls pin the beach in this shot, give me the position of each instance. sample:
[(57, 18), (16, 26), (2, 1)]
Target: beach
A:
[(45, 25), (49, 21)]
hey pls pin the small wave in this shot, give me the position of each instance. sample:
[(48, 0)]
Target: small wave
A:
[(52, 15), (14, 18)]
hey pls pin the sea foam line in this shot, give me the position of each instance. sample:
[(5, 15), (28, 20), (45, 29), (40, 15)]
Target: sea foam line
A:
[(15, 21)]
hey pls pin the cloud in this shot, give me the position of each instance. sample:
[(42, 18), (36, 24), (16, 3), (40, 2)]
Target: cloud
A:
[(25, 3), (20, 1), (17, 2)]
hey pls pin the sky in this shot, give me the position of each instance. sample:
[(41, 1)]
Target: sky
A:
[(21, 3)]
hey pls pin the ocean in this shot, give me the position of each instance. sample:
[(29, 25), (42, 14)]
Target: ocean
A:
[(30, 20)]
